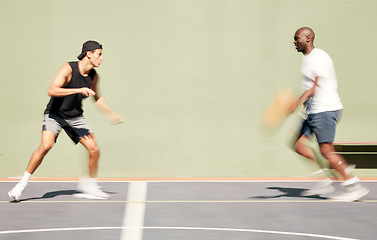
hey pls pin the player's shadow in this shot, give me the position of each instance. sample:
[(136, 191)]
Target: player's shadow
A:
[(289, 192), (50, 195), (53, 195)]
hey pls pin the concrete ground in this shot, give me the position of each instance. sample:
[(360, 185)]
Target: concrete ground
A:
[(180, 210)]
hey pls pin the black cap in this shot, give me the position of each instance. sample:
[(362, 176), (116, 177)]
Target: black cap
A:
[(89, 46)]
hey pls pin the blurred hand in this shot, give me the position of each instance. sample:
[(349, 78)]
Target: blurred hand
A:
[(115, 118)]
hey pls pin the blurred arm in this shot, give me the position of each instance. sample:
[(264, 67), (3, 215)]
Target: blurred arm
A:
[(305, 96), (102, 104)]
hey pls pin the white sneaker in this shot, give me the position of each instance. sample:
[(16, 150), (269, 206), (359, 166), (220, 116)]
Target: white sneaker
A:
[(91, 190), (323, 187), (16, 193), (351, 193)]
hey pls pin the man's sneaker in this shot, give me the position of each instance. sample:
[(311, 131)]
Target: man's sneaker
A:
[(323, 187), (16, 193), (90, 189), (351, 193)]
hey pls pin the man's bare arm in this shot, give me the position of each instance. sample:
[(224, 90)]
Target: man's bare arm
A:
[(61, 79)]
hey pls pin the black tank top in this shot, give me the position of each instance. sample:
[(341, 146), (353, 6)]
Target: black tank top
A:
[(71, 106)]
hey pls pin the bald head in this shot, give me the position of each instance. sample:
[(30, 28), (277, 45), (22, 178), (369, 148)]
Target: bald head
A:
[(306, 31), (304, 38)]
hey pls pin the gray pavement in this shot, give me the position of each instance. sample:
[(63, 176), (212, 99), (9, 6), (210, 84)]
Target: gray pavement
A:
[(188, 210)]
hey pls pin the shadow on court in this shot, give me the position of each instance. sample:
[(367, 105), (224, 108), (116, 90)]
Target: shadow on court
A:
[(54, 194), (289, 192), (50, 195)]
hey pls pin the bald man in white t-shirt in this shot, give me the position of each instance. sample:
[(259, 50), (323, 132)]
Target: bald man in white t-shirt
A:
[(323, 107)]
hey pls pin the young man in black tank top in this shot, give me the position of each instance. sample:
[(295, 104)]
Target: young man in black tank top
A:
[(73, 82)]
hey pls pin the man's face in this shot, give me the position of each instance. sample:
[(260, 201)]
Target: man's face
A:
[(300, 41), (95, 57)]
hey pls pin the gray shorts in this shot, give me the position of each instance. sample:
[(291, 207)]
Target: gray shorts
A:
[(323, 125), (76, 128)]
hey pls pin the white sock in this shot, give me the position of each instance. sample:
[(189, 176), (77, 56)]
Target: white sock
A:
[(25, 178)]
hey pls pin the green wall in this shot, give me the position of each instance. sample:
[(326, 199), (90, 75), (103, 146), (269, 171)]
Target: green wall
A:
[(191, 78)]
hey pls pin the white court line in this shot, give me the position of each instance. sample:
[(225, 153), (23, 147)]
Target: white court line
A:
[(190, 181), (180, 228), (253, 230), (134, 212)]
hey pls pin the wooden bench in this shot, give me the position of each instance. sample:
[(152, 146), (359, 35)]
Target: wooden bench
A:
[(363, 154)]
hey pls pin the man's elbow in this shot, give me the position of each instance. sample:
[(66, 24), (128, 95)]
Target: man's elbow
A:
[(51, 92)]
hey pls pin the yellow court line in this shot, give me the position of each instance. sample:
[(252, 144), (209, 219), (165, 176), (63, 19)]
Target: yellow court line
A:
[(189, 201), (178, 179)]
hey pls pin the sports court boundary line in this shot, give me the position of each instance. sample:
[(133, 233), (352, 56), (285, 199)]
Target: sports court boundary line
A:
[(186, 179), (181, 228), (134, 211), (192, 201)]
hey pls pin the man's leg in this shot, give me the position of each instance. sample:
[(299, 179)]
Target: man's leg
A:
[(303, 149), (48, 139), (89, 142), (325, 127), (89, 186), (352, 188), (335, 160)]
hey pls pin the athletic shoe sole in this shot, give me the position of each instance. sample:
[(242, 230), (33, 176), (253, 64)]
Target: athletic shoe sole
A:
[(351, 196), (88, 196)]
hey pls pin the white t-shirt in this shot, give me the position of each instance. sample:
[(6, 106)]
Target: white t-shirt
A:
[(326, 98)]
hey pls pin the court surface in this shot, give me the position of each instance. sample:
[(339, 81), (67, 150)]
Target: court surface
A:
[(185, 210)]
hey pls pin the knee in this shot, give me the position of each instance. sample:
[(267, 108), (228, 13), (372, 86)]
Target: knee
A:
[(45, 147), (324, 152), (299, 147), (94, 150), (326, 149)]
